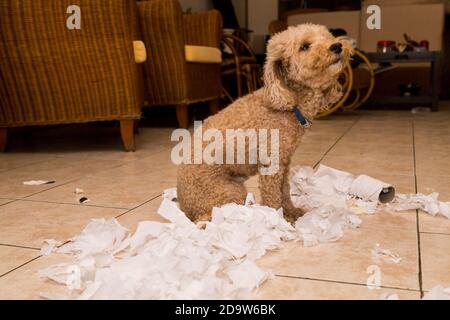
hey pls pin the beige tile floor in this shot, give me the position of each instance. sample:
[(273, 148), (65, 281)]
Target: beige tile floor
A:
[(410, 151)]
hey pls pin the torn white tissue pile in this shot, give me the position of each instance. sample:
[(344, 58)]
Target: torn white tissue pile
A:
[(216, 260), (325, 224), (385, 254), (331, 187), (361, 194), (175, 260), (325, 187), (427, 203)]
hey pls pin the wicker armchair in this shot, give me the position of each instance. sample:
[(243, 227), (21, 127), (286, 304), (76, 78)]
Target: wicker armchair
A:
[(52, 75), (170, 78)]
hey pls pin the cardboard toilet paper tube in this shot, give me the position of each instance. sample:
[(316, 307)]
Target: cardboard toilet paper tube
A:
[(368, 188)]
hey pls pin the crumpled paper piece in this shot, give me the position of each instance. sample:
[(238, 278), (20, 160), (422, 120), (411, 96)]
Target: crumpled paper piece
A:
[(170, 194), (325, 187), (37, 182), (389, 296), (325, 225), (101, 237), (175, 260), (49, 246), (78, 191), (385, 254), (427, 203)]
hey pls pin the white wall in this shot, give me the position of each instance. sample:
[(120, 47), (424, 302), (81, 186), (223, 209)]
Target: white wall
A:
[(239, 8), (260, 14)]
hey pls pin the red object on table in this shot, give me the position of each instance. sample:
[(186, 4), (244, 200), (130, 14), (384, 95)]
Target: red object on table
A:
[(385, 45), (425, 44)]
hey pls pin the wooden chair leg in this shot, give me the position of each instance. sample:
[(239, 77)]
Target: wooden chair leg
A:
[(3, 139), (183, 115), (214, 106), (127, 133)]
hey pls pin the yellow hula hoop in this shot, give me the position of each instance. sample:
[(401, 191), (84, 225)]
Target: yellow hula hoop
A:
[(356, 104)]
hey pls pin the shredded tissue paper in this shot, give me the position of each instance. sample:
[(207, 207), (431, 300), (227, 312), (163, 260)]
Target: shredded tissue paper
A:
[(175, 260), (427, 203), (37, 182), (217, 259), (385, 254), (331, 187)]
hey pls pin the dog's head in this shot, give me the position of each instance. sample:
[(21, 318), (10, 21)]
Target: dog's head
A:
[(305, 56)]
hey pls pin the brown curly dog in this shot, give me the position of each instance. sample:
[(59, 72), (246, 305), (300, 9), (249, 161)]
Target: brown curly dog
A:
[(300, 76)]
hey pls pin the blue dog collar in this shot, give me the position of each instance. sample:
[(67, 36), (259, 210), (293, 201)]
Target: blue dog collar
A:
[(305, 123)]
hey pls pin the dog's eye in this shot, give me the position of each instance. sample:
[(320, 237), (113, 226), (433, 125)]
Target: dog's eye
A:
[(305, 46)]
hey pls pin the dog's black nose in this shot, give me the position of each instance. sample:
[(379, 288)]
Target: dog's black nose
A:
[(336, 48)]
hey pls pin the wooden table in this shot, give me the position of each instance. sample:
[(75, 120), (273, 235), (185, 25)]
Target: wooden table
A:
[(432, 57)]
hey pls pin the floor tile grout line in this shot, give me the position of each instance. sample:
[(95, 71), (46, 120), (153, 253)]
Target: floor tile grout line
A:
[(336, 142), (73, 204), (22, 265), (18, 267), (66, 158), (124, 162), (86, 176), (141, 205), (26, 165), (129, 210), (51, 188), (17, 246), (415, 178), (345, 282), (148, 156), (70, 181), (436, 233), (419, 251), (8, 202), (90, 175)]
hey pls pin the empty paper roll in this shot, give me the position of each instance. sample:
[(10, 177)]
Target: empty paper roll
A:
[(368, 188)]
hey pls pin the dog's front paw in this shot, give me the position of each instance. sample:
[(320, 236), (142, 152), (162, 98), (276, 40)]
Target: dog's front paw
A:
[(291, 215)]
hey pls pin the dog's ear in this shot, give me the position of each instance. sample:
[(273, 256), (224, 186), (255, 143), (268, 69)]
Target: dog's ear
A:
[(275, 87)]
